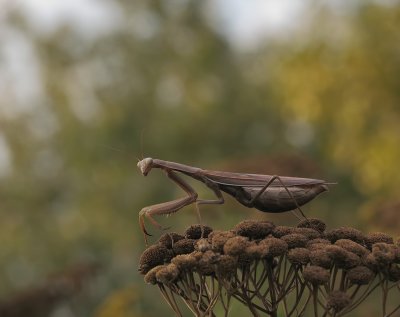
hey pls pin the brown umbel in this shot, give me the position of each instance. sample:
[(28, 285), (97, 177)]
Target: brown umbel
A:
[(275, 270)]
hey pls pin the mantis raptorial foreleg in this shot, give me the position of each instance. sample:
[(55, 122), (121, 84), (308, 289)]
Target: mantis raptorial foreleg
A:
[(263, 189), (170, 206), (174, 205)]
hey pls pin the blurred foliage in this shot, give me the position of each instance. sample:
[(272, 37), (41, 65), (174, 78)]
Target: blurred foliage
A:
[(41, 300), (120, 303), (323, 102)]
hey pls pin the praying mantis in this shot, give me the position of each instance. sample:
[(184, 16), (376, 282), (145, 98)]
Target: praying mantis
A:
[(267, 193)]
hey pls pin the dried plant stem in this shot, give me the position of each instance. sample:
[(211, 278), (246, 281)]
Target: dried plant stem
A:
[(170, 302), (393, 311), (384, 286), (272, 291), (315, 299)]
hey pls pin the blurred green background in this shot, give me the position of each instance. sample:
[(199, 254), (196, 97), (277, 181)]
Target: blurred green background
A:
[(299, 88)]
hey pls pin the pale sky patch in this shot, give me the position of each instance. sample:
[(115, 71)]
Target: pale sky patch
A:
[(88, 17)]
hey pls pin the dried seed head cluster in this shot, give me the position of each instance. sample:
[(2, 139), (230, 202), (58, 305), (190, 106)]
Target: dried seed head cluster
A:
[(338, 300), (316, 275), (168, 239), (197, 232), (280, 231), (253, 229), (236, 245), (321, 258), (218, 239), (345, 233), (266, 267), (153, 256), (312, 223), (183, 246), (299, 256), (167, 274), (360, 275), (295, 240), (352, 247), (376, 237)]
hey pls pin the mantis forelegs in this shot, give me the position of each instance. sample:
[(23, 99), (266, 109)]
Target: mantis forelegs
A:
[(174, 205), (167, 207)]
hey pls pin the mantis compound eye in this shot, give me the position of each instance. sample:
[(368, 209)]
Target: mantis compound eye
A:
[(145, 165)]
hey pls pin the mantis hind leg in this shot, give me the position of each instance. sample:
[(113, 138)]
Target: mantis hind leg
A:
[(264, 188)]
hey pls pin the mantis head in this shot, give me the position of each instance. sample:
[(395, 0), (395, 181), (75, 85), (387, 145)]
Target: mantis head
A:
[(145, 165)]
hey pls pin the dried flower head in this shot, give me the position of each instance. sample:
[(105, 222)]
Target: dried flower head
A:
[(352, 246), (394, 273), (360, 275), (318, 243), (254, 251), (168, 239), (312, 223), (197, 231), (299, 256), (183, 246), (226, 265), (342, 258), (295, 240), (308, 232), (384, 253), (206, 265), (254, 229), (218, 239), (321, 258), (167, 274), (370, 261), (345, 233), (202, 245), (280, 231), (197, 255), (272, 247), (185, 261), (338, 300), (396, 251), (376, 237), (150, 277), (236, 245), (154, 255), (316, 275)]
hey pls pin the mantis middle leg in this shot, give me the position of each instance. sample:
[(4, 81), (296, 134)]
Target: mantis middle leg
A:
[(218, 201)]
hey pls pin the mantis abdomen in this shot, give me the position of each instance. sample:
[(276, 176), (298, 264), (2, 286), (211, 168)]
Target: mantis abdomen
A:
[(275, 199)]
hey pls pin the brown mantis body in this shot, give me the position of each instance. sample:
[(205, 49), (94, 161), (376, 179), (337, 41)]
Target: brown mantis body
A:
[(268, 193)]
